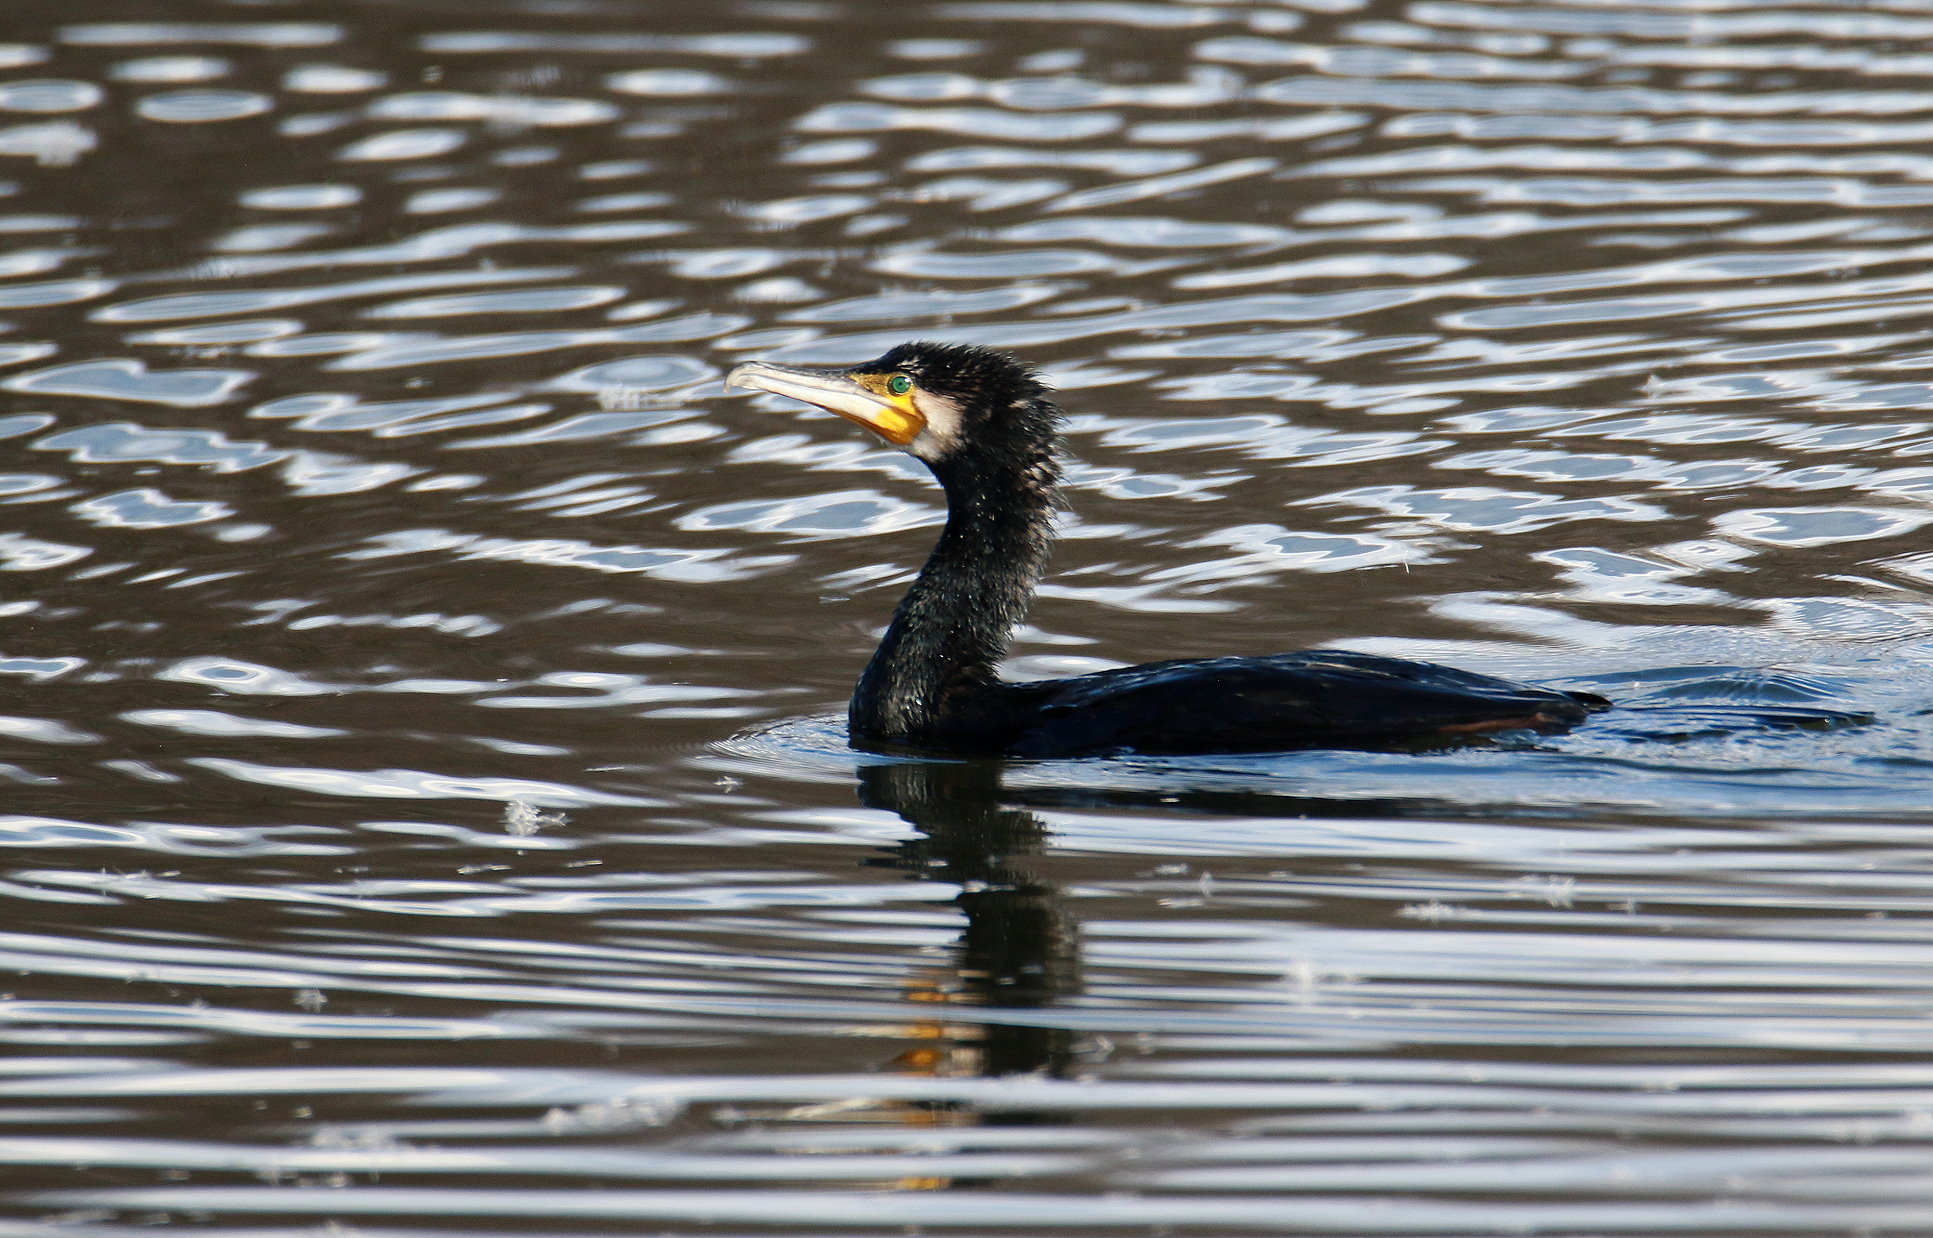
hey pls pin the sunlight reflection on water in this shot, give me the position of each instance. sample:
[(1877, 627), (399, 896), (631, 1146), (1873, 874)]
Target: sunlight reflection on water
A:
[(426, 804)]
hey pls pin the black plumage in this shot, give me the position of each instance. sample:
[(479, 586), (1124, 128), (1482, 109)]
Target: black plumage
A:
[(983, 423)]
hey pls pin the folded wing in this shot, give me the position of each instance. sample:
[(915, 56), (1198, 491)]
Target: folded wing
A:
[(1327, 698)]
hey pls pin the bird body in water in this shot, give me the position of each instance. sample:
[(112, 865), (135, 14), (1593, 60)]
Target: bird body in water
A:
[(983, 423)]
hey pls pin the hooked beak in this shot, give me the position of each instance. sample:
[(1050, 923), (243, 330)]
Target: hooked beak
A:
[(861, 398)]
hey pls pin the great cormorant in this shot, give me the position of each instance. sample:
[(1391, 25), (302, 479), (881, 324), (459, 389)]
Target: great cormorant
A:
[(983, 423)]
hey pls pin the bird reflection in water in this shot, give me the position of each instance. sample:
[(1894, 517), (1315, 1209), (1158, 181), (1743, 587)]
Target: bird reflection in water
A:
[(1019, 949), (1018, 953)]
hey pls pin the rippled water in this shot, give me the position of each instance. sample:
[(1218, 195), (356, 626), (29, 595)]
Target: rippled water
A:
[(426, 807)]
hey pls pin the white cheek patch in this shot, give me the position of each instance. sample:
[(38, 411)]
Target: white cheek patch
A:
[(942, 432)]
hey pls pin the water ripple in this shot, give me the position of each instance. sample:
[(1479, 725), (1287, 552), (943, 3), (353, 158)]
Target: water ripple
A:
[(427, 796)]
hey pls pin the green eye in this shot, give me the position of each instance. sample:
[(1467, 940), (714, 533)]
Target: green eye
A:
[(899, 384)]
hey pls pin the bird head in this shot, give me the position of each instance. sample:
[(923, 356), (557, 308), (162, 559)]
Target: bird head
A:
[(930, 400)]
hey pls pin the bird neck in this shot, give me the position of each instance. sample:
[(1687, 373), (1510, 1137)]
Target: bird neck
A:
[(930, 680)]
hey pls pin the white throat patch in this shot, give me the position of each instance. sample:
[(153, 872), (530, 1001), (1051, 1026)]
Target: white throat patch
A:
[(942, 432)]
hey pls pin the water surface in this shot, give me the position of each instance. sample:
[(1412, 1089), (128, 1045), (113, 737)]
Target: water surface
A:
[(426, 805)]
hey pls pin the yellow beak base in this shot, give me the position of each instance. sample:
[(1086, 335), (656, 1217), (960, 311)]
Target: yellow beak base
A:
[(862, 398)]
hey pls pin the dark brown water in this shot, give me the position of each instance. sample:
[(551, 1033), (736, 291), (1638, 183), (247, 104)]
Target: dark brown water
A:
[(425, 805)]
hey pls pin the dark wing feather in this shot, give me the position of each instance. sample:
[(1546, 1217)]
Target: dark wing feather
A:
[(1322, 698)]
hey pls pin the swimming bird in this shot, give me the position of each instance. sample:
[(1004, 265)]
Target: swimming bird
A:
[(983, 423)]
